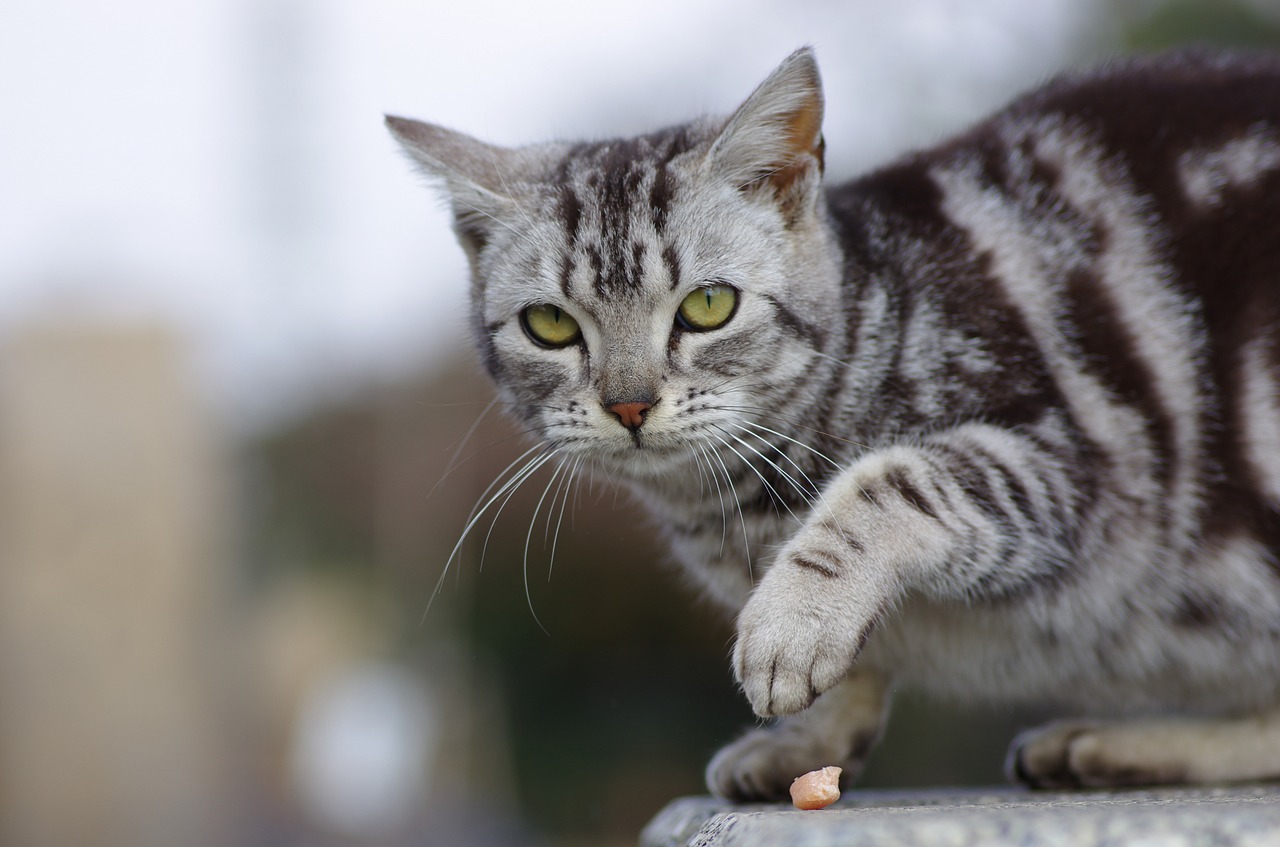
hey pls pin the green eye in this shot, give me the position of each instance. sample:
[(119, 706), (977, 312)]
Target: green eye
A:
[(549, 326), (707, 308)]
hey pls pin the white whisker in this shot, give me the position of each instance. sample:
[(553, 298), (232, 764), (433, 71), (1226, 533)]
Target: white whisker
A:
[(768, 486), (827, 511), (728, 478), (533, 520), (793, 421), (806, 491), (546, 529), (571, 477), (496, 220), (799, 489), (724, 517), (507, 488), (499, 478), (702, 475), (452, 464), (823, 456)]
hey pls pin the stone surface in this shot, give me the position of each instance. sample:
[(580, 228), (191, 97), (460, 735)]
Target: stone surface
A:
[(1240, 816)]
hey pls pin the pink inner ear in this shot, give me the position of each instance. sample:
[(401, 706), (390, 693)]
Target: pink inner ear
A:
[(804, 128), (804, 143)]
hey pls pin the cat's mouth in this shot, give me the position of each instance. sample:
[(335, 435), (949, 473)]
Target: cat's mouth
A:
[(644, 453), (649, 445)]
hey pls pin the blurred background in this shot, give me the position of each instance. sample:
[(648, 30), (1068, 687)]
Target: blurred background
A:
[(241, 427)]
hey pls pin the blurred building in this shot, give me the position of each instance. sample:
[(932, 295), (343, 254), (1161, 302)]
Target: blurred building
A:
[(153, 691), (113, 595)]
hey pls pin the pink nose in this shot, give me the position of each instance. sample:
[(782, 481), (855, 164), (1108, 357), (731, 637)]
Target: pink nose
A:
[(631, 415)]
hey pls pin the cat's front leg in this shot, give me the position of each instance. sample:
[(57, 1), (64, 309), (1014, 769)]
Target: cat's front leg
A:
[(808, 619), (967, 513)]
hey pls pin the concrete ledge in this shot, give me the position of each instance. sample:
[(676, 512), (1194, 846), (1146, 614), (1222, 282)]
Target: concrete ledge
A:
[(1237, 816)]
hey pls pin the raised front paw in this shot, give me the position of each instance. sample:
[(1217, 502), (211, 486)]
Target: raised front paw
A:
[(802, 629)]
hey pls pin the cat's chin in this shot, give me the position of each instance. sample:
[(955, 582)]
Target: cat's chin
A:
[(647, 462)]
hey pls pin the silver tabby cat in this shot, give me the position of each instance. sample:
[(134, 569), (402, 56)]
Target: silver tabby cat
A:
[(1000, 420)]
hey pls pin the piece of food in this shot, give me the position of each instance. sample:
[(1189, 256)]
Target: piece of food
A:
[(816, 789)]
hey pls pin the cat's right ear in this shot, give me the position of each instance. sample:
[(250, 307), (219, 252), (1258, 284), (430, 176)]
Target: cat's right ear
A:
[(475, 175), (774, 139)]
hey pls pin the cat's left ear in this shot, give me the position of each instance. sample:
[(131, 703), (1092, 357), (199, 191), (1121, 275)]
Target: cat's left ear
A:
[(476, 175), (774, 139)]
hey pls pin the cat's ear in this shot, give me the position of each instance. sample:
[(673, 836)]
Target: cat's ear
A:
[(475, 175), (774, 139)]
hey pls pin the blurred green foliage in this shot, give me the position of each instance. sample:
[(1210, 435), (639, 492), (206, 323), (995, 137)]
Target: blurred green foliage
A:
[(1205, 23)]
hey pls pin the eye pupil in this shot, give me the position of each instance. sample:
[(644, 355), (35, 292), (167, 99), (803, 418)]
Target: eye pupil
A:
[(707, 308), (549, 326)]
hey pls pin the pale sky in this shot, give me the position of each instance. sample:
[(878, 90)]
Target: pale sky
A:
[(223, 165)]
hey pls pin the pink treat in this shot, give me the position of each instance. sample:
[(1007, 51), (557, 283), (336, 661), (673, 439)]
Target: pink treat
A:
[(816, 789)]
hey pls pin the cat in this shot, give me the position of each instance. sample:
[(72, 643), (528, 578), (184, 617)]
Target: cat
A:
[(999, 420)]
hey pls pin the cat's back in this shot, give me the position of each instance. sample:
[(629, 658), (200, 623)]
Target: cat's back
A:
[(1144, 194), (1158, 103), (1124, 222), (1124, 218)]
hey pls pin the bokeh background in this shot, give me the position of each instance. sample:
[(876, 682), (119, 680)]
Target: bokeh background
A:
[(241, 428)]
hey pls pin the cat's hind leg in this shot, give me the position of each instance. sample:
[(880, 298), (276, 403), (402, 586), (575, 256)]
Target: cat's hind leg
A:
[(1173, 751), (840, 728)]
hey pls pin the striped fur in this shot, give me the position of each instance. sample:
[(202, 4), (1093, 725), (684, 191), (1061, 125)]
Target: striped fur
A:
[(1000, 420)]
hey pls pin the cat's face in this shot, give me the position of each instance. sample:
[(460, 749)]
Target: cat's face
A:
[(636, 301)]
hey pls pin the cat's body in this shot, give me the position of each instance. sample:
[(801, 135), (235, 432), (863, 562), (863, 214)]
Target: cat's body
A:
[(1000, 421)]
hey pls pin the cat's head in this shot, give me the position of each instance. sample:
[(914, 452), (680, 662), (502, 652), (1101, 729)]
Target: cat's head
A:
[(634, 299)]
